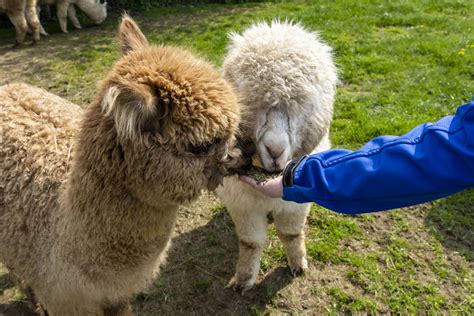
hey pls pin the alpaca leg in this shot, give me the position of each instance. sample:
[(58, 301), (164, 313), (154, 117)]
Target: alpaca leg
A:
[(289, 225), (251, 230), (43, 31), (32, 19), (62, 7), (121, 309), (38, 13), (35, 305), (18, 19), (71, 13)]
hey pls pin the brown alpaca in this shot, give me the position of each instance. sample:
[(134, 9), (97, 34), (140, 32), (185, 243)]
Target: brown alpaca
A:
[(90, 205), (22, 13)]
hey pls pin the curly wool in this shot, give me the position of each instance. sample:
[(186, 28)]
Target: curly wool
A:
[(280, 63), (285, 79), (91, 197)]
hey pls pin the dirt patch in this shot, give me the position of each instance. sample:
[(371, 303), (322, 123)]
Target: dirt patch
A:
[(200, 264)]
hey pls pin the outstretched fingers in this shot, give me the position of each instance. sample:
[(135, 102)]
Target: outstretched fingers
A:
[(272, 188)]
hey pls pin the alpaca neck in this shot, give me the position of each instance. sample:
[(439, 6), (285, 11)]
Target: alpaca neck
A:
[(99, 208), (120, 231)]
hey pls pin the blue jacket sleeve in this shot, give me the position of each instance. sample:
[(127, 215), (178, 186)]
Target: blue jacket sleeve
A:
[(431, 161)]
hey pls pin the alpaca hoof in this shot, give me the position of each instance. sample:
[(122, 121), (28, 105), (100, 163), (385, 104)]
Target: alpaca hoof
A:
[(298, 269), (241, 286), (16, 45), (34, 42)]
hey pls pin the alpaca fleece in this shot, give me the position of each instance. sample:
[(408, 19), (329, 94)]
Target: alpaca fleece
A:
[(22, 13), (285, 78), (95, 10), (90, 197)]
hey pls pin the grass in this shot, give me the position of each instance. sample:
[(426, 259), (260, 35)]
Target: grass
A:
[(401, 63)]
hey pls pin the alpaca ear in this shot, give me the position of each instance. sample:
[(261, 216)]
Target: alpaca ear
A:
[(131, 38), (132, 108)]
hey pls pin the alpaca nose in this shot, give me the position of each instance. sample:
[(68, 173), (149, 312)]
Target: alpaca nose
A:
[(275, 152)]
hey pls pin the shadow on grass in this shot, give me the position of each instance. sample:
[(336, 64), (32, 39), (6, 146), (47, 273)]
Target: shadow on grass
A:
[(452, 220), (13, 307), (6, 282), (193, 281), (16, 308)]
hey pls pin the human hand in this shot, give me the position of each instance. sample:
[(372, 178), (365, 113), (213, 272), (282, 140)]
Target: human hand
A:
[(272, 188)]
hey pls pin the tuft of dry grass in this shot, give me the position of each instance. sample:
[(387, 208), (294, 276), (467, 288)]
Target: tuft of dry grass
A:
[(259, 174)]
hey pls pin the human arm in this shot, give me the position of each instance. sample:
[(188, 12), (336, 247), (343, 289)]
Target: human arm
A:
[(429, 162)]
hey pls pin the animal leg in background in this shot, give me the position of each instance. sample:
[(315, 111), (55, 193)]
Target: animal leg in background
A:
[(38, 13), (71, 13), (32, 19), (62, 8), (290, 229), (251, 228), (32, 300), (17, 17)]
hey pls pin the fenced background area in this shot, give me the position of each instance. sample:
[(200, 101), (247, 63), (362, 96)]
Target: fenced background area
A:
[(401, 63)]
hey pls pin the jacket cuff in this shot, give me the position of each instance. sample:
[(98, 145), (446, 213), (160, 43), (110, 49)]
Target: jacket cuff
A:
[(289, 172)]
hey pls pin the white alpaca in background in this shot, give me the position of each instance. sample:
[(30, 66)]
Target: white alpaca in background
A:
[(94, 9), (286, 79), (22, 14)]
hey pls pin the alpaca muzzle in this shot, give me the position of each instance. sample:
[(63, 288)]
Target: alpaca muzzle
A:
[(227, 165)]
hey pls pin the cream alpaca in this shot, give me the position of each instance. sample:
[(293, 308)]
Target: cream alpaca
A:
[(285, 78), (90, 203), (22, 13), (95, 10)]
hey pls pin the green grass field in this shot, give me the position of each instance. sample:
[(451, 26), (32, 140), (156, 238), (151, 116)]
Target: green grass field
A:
[(401, 63)]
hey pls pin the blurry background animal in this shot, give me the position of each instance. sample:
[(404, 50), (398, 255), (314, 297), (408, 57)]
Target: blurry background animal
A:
[(285, 79), (94, 9), (93, 195), (22, 13)]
